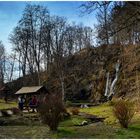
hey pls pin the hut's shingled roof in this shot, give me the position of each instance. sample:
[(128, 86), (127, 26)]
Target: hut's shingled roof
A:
[(27, 90)]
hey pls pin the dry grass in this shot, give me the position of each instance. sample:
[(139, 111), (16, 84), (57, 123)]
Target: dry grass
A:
[(74, 111)]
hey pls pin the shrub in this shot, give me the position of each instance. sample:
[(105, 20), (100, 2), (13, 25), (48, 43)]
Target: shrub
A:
[(124, 111), (74, 111), (51, 111), (16, 110)]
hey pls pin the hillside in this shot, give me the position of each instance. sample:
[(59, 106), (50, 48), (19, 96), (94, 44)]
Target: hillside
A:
[(85, 73)]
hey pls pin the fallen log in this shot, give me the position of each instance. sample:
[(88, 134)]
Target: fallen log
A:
[(92, 118)]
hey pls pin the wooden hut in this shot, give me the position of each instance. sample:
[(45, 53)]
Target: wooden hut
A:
[(39, 91)]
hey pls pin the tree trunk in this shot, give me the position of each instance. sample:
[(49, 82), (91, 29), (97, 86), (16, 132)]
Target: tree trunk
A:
[(62, 86)]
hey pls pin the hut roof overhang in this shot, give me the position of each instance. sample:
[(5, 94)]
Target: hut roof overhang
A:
[(28, 90)]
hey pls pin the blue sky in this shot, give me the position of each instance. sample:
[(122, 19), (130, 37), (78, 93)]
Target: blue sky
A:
[(11, 12)]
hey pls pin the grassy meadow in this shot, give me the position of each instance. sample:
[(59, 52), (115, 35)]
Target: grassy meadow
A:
[(28, 125)]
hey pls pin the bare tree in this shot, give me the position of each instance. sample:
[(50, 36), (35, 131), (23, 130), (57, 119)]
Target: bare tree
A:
[(10, 67), (28, 38), (102, 9), (43, 42), (2, 63), (59, 50)]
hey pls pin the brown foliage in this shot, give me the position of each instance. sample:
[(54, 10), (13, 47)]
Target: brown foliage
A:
[(74, 111), (16, 111), (124, 112), (51, 111)]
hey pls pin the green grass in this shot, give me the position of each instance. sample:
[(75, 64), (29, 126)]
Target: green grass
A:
[(26, 127), (132, 132), (24, 132), (4, 105), (91, 131), (74, 120), (104, 110), (67, 129)]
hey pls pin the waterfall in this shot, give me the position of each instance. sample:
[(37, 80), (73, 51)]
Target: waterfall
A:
[(117, 67)]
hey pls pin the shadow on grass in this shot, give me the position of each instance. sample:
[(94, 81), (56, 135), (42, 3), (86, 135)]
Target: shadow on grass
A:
[(134, 128), (64, 131)]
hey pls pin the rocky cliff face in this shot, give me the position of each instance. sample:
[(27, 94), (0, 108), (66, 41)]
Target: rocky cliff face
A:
[(86, 74)]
